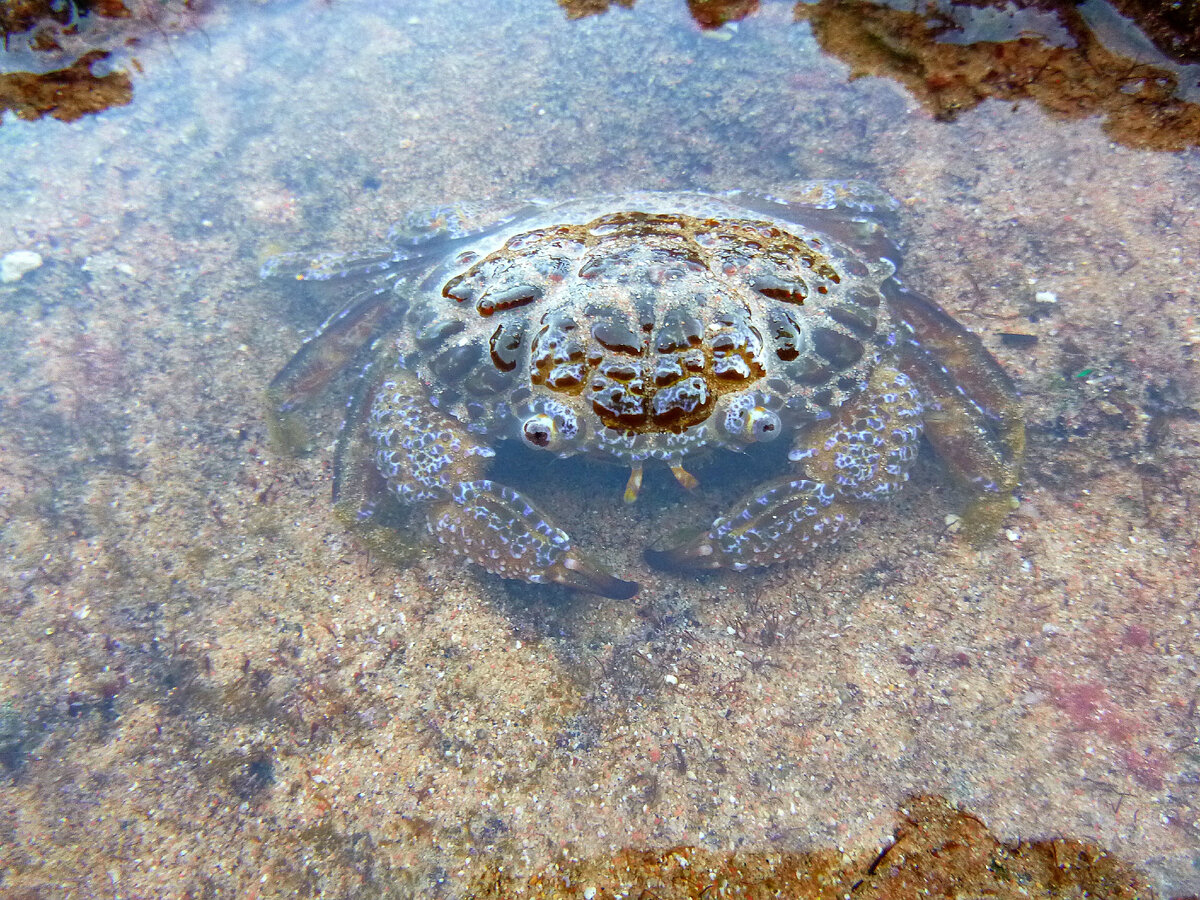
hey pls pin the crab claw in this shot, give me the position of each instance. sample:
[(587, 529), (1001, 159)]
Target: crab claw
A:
[(497, 528), (782, 520), (688, 549), (577, 571)]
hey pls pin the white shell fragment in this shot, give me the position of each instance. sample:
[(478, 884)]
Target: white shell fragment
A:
[(14, 265)]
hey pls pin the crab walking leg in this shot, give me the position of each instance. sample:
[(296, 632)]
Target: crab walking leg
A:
[(863, 454), (982, 434), (429, 458), (323, 356), (973, 414)]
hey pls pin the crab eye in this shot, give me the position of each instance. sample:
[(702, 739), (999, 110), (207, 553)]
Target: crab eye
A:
[(762, 424), (540, 430)]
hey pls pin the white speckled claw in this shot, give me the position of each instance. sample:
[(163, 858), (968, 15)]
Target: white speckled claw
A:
[(430, 460), (497, 528), (863, 454), (779, 521)]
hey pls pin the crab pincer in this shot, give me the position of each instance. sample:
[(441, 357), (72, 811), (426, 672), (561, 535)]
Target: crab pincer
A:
[(501, 531), (430, 460)]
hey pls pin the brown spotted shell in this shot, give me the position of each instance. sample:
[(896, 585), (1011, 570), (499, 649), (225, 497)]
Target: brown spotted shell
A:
[(648, 325)]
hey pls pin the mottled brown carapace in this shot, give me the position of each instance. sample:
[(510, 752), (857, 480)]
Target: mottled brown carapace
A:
[(606, 335)]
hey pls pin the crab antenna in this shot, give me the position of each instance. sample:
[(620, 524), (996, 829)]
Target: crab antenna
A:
[(633, 485)]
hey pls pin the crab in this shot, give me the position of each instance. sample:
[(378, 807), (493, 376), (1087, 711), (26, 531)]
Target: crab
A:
[(643, 329)]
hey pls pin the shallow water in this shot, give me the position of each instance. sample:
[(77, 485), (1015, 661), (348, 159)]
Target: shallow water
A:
[(193, 643)]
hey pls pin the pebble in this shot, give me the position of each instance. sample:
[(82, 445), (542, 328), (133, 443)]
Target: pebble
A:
[(14, 265)]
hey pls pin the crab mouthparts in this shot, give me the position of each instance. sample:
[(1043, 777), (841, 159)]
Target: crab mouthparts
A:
[(634, 485)]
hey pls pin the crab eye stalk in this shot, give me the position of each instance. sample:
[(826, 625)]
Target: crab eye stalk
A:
[(762, 424), (540, 431)]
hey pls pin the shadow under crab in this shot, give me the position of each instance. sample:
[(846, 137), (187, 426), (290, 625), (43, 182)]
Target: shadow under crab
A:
[(643, 329)]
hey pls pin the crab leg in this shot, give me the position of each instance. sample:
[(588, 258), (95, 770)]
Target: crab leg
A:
[(429, 459), (862, 454), (357, 483), (327, 352), (973, 415), (328, 266)]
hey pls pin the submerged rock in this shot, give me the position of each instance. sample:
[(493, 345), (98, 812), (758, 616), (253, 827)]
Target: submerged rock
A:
[(14, 266), (952, 57), (938, 851)]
